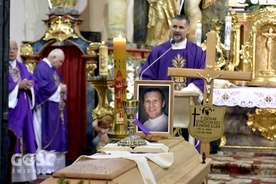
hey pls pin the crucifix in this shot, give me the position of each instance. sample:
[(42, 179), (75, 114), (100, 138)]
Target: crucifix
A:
[(270, 35), (206, 135)]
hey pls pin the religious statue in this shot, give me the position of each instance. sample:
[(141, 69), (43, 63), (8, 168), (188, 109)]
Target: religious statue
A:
[(162, 11), (270, 35), (102, 124), (206, 3), (208, 84), (63, 4), (160, 14), (192, 10)]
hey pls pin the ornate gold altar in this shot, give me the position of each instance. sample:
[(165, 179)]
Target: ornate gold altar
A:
[(258, 42), (61, 28), (253, 40)]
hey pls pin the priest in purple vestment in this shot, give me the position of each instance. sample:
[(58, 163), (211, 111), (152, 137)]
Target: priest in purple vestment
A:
[(22, 89), (177, 52), (50, 118)]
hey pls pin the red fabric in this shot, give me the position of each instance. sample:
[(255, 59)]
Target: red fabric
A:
[(73, 72)]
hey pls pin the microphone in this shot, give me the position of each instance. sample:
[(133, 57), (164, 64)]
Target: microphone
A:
[(172, 43)]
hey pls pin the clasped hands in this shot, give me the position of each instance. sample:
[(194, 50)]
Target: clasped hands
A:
[(63, 88), (26, 84)]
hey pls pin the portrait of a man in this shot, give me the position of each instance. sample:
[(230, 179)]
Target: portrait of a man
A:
[(155, 106), (154, 102)]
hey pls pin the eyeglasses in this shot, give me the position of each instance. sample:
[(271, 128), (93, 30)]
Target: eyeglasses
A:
[(13, 48)]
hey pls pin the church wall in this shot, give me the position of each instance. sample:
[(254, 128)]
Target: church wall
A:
[(95, 17), (17, 20), (27, 18), (35, 12)]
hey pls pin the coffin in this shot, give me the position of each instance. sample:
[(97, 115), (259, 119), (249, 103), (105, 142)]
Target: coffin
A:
[(186, 168)]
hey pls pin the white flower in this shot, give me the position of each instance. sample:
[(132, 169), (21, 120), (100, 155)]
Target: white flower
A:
[(254, 1), (241, 1), (262, 2), (272, 2), (111, 104)]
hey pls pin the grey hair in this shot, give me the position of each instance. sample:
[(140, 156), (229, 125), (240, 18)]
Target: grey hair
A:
[(56, 52)]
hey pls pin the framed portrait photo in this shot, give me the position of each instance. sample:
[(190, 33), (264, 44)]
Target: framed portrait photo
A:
[(155, 106)]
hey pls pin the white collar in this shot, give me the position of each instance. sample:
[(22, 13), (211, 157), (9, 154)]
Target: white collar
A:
[(13, 63), (48, 62), (181, 45)]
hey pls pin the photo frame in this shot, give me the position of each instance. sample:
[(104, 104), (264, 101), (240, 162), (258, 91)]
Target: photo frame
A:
[(166, 88)]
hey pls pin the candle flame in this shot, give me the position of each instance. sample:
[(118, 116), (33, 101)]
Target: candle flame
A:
[(103, 42), (120, 36)]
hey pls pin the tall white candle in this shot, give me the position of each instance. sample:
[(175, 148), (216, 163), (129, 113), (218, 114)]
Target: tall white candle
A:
[(103, 60), (50, 4), (198, 33), (227, 32)]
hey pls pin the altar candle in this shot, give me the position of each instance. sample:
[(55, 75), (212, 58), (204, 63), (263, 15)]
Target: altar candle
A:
[(198, 33), (50, 4), (103, 60), (227, 32), (119, 48)]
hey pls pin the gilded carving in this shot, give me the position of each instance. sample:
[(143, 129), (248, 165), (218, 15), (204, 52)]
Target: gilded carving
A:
[(31, 66), (263, 120), (26, 49), (91, 67), (60, 30), (63, 4), (221, 62), (256, 51), (92, 48), (246, 54)]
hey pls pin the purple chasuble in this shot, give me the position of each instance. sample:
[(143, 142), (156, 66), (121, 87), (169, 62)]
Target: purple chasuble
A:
[(21, 117), (53, 114), (191, 57)]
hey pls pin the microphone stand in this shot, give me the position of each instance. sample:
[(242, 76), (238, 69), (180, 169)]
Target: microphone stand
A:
[(172, 42)]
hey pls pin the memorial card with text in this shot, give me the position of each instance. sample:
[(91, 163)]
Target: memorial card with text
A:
[(206, 122)]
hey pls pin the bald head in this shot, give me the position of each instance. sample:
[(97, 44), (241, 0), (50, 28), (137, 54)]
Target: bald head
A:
[(13, 50), (56, 57)]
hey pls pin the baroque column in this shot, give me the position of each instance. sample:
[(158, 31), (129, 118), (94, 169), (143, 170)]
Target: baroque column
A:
[(117, 18)]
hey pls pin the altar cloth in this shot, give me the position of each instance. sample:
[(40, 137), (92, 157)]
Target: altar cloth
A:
[(245, 97)]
